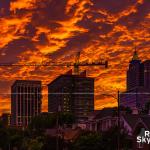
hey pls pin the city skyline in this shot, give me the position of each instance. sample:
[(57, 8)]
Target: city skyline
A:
[(112, 30)]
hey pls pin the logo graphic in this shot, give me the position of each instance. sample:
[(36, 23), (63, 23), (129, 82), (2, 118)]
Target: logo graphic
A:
[(143, 137)]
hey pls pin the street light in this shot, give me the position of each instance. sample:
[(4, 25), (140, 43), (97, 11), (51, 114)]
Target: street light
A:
[(118, 115), (57, 125)]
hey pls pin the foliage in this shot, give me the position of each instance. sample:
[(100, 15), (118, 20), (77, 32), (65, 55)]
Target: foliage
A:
[(28, 139), (90, 141), (43, 121), (105, 141), (66, 118), (1, 124), (51, 142), (33, 144), (4, 138)]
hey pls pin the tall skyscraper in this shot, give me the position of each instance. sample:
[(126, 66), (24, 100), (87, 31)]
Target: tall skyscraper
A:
[(72, 93), (4, 7), (138, 84), (25, 101), (135, 72), (146, 74)]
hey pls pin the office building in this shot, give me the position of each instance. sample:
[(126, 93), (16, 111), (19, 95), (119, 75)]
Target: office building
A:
[(25, 101), (72, 93)]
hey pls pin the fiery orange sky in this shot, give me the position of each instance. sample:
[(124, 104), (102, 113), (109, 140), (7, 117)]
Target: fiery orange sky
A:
[(54, 30)]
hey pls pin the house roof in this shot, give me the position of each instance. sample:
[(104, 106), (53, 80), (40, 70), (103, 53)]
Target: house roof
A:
[(68, 134), (71, 134), (131, 119), (146, 120), (103, 113)]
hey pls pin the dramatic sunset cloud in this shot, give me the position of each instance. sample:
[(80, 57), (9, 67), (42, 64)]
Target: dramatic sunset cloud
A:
[(35, 31)]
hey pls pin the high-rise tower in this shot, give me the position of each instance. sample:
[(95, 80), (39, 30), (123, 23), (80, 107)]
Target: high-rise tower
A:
[(146, 74), (72, 93), (138, 84), (135, 76)]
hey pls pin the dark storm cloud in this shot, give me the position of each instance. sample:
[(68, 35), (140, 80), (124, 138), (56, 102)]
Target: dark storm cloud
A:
[(81, 40), (42, 39), (30, 30), (117, 53), (76, 43), (112, 6), (126, 43), (4, 8), (95, 27), (15, 48), (50, 10), (134, 19), (56, 10), (54, 25)]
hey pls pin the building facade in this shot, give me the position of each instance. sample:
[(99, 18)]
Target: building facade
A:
[(25, 101), (72, 93), (102, 120), (138, 84), (135, 73)]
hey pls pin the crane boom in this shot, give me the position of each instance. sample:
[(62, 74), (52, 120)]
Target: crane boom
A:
[(76, 64)]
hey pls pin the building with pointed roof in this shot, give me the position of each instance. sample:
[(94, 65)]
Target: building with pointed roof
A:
[(137, 93), (141, 125), (135, 72), (135, 55)]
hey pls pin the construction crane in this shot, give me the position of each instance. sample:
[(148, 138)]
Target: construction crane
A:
[(75, 64)]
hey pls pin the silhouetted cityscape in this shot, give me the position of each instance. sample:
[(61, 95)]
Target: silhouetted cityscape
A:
[(74, 75), (73, 95)]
